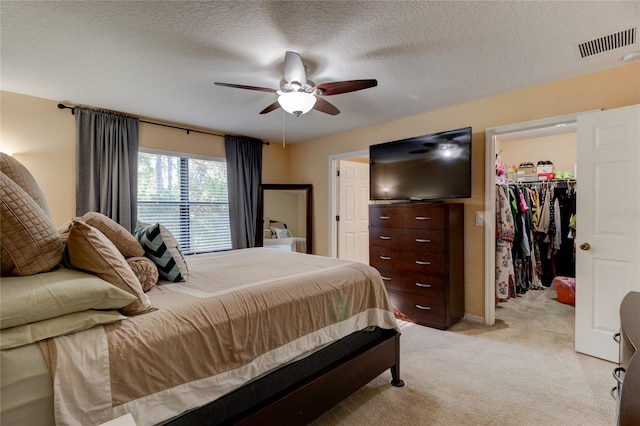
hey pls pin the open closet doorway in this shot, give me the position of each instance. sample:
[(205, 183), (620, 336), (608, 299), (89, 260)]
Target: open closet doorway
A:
[(349, 206), (535, 247), (608, 159), (521, 141)]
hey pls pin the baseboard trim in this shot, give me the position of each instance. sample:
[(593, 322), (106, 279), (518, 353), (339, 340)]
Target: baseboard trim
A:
[(474, 318)]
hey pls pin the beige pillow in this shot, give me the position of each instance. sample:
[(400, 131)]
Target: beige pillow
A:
[(51, 294), (64, 230), (20, 175), (90, 250), (59, 326), (124, 240), (29, 241), (145, 270)]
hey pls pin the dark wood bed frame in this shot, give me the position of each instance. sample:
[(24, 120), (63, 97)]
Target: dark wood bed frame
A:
[(302, 391)]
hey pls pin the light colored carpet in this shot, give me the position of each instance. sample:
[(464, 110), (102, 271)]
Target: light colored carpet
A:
[(522, 371)]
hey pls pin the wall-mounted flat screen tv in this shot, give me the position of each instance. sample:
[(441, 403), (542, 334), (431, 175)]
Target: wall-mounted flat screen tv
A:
[(429, 167)]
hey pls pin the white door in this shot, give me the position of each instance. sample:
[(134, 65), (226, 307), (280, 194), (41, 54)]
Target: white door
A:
[(353, 224), (608, 223)]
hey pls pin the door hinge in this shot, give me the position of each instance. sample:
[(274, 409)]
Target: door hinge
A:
[(338, 173), (337, 218)]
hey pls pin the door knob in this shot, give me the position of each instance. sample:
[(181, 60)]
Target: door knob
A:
[(585, 246)]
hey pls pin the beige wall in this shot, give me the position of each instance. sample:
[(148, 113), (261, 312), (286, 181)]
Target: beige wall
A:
[(561, 150), (288, 207), (42, 137), (309, 161)]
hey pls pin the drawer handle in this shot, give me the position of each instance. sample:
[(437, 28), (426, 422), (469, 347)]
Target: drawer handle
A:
[(424, 308), (423, 285), (616, 337), (385, 217), (385, 258), (420, 240), (385, 278), (384, 237), (420, 262), (616, 374), (423, 218), (614, 393)]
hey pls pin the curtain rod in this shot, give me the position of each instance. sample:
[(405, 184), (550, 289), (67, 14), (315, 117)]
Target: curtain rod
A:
[(63, 106)]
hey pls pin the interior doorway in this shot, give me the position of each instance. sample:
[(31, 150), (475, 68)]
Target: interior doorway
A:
[(360, 204), (493, 136)]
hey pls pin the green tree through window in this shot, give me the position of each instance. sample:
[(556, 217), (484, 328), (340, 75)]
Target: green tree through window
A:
[(188, 196)]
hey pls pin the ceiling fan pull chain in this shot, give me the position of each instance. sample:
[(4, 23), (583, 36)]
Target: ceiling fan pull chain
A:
[(283, 128)]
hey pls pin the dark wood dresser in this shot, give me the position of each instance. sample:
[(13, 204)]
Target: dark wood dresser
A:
[(627, 375), (419, 250)]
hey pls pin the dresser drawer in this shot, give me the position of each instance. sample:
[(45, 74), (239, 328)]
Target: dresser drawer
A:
[(419, 261), (424, 284), (382, 258), (420, 309), (385, 217), (423, 217), (423, 240), (385, 237)]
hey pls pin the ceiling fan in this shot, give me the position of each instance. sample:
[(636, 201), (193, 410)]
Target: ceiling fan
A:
[(297, 95)]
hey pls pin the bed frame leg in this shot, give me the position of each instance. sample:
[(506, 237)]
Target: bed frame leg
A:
[(395, 369)]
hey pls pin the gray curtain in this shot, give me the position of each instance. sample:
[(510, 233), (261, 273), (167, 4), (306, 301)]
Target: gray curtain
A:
[(107, 165), (244, 176)]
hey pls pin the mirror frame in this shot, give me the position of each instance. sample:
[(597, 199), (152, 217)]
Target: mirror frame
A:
[(307, 188)]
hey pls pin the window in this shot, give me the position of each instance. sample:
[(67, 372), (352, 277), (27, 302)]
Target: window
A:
[(187, 195)]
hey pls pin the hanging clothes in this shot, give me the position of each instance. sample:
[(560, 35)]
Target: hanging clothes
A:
[(565, 243), (539, 243), (505, 232)]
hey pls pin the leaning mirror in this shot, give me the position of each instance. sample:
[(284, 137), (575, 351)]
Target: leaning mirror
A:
[(284, 217)]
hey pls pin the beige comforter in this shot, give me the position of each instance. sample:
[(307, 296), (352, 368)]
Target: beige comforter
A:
[(240, 315)]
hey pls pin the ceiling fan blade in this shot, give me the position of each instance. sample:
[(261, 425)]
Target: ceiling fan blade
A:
[(271, 107), (338, 87), (242, 86), (324, 106), (294, 69)]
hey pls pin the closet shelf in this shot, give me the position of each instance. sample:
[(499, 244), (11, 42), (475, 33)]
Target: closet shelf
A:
[(536, 182)]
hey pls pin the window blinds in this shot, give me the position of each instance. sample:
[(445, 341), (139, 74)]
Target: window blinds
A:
[(188, 196)]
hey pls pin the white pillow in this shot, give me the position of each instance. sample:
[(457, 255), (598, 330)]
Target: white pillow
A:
[(281, 232)]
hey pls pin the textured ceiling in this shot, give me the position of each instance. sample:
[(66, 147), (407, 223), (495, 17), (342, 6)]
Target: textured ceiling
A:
[(160, 59)]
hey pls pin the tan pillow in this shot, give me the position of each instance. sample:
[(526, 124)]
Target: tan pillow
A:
[(90, 250), (20, 175), (145, 270), (124, 240), (64, 230), (59, 326), (29, 241)]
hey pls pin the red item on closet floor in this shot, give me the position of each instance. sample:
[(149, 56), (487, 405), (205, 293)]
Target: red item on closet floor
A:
[(566, 288)]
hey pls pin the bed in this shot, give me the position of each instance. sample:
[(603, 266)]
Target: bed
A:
[(249, 336), (312, 301), (276, 234)]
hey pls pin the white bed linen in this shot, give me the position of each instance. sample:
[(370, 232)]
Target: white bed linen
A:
[(296, 244)]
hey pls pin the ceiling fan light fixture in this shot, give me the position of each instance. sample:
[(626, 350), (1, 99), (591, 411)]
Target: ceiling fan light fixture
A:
[(297, 103)]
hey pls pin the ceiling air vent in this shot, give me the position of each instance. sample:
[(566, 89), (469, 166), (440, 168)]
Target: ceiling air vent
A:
[(608, 42)]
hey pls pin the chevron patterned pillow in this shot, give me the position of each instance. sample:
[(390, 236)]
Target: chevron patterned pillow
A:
[(162, 248)]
